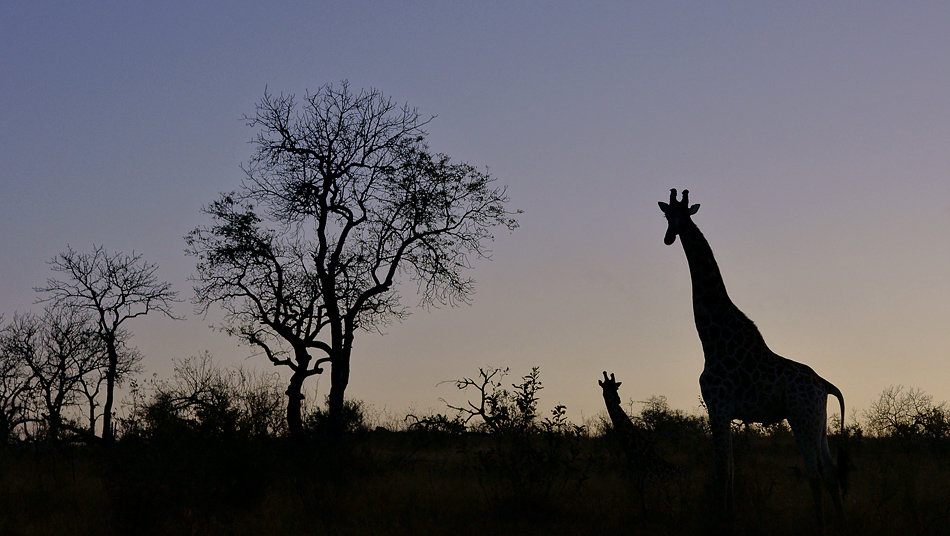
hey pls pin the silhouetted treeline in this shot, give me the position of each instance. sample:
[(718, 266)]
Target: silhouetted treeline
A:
[(51, 373), (204, 452)]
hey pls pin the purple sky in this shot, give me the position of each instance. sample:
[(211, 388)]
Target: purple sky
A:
[(816, 139)]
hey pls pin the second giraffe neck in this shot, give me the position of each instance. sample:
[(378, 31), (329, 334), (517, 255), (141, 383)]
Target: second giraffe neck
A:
[(619, 417)]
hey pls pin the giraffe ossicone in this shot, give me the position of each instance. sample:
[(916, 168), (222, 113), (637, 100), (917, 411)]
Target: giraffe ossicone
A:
[(743, 379)]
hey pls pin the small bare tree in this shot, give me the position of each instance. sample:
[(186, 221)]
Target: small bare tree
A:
[(63, 356), (494, 406), (15, 387), (114, 288), (503, 411), (47, 348), (909, 413)]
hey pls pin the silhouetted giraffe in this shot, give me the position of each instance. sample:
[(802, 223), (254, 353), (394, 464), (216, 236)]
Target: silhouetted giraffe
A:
[(743, 379), (643, 462)]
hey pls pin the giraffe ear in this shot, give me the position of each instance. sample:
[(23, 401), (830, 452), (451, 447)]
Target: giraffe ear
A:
[(693, 209), (664, 207)]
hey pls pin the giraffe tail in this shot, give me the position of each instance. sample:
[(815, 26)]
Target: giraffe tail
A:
[(844, 460)]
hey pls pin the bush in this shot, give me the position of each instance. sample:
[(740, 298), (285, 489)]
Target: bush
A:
[(526, 461), (436, 423), (908, 414), (354, 419), (204, 400), (662, 421)]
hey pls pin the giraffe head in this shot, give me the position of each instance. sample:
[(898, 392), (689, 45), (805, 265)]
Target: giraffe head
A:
[(611, 387), (677, 214)]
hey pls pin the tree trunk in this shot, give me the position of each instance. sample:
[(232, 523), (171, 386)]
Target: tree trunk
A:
[(92, 415), (294, 406), (107, 433), (339, 378), (53, 423)]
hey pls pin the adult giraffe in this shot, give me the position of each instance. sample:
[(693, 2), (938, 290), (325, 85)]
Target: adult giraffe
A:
[(743, 379)]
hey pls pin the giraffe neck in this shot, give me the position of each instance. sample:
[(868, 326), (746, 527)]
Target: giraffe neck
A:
[(634, 443), (711, 303), (619, 417)]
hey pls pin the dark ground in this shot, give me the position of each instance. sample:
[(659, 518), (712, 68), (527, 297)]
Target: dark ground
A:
[(419, 483)]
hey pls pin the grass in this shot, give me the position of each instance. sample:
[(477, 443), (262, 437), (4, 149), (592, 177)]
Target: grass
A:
[(427, 484)]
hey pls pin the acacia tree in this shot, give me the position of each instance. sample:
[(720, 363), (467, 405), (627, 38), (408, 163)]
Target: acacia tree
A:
[(114, 288), (341, 197)]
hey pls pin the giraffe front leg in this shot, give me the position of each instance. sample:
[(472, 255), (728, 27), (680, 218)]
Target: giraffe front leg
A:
[(725, 470)]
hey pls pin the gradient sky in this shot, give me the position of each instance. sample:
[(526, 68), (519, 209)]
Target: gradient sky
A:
[(816, 137)]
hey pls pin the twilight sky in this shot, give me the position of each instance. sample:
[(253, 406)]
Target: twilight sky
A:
[(815, 137)]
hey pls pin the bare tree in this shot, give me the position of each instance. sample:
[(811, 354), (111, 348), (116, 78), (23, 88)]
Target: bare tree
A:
[(910, 413), (114, 288), (63, 356), (15, 387), (23, 341), (340, 199), (494, 402)]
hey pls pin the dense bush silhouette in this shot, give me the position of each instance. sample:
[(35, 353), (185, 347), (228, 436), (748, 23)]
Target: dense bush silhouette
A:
[(435, 424), (204, 400), (673, 425), (177, 472), (353, 418), (908, 414)]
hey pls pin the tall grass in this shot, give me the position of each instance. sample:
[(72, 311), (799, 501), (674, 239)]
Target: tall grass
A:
[(432, 483)]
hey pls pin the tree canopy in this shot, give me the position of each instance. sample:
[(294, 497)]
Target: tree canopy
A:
[(340, 200)]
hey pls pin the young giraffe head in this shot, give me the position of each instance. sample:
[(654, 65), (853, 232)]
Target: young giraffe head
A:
[(611, 387), (677, 214)]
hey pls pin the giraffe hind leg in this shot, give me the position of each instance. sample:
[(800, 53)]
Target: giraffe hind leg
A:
[(813, 473), (829, 474), (809, 446)]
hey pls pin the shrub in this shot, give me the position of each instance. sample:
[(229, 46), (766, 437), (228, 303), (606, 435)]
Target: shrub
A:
[(204, 400), (526, 461), (354, 418), (908, 414), (672, 424), (436, 423)]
